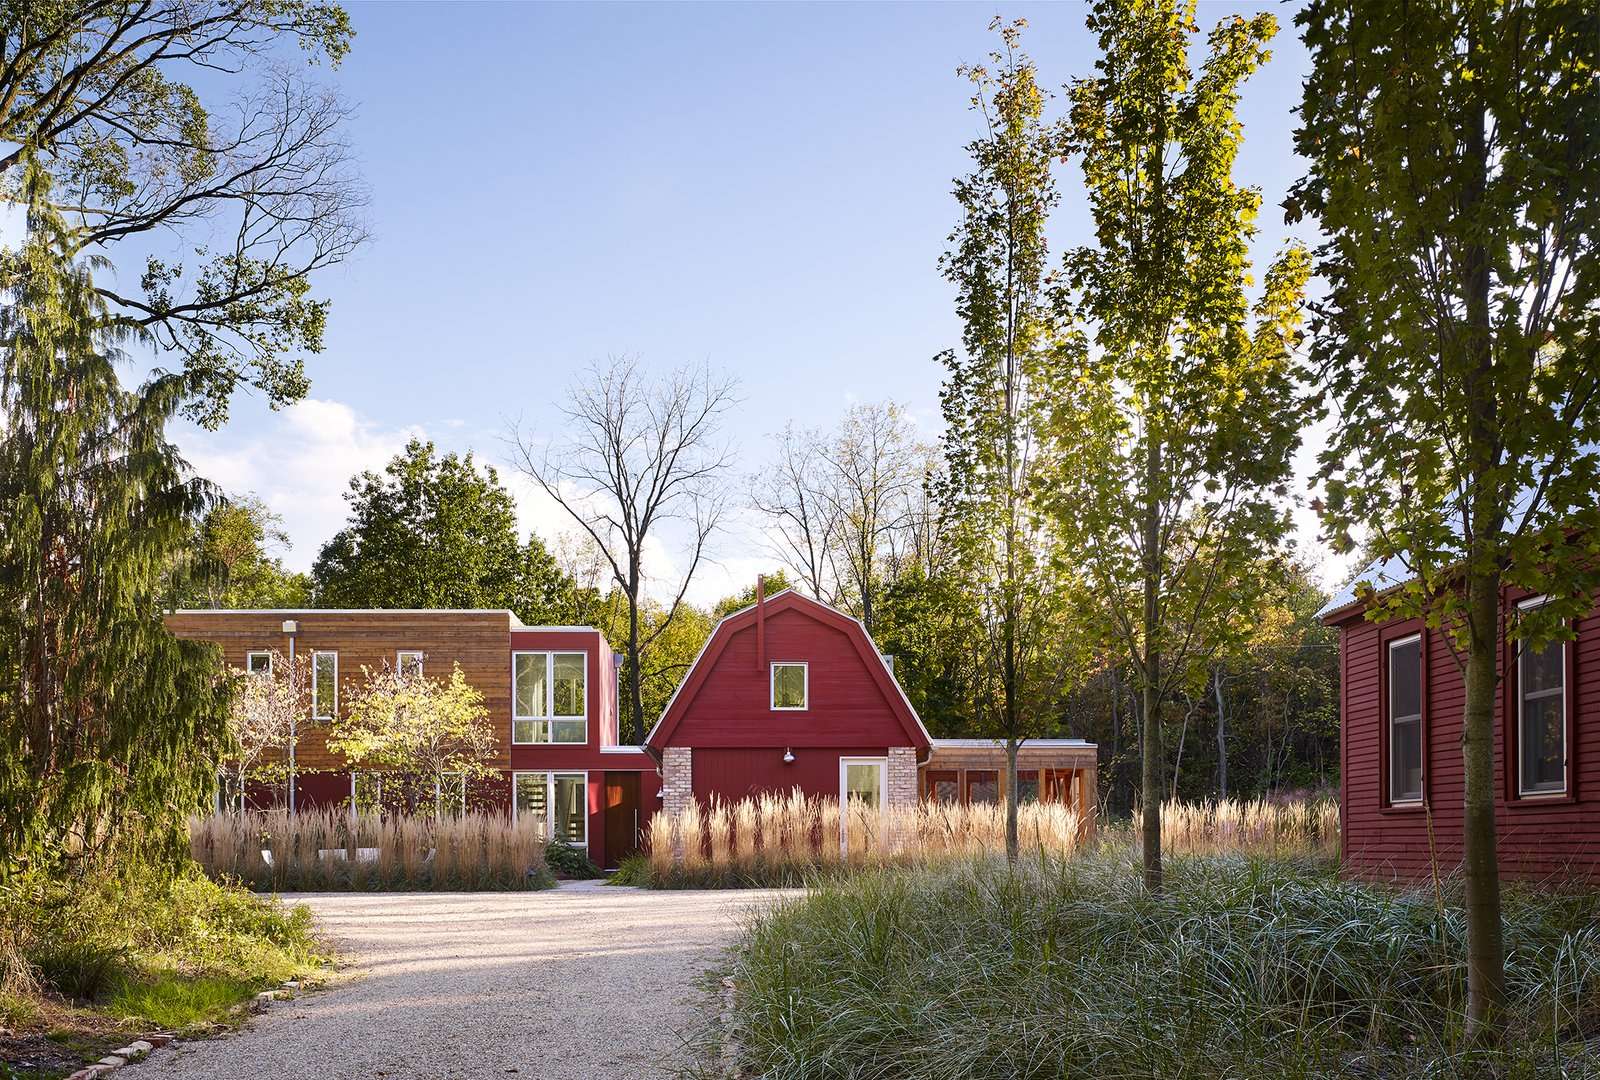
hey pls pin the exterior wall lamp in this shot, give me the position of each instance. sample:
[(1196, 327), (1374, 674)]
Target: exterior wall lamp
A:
[(788, 756)]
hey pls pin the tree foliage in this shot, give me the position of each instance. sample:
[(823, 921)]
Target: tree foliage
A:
[(1173, 418), (438, 531), (108, 724), (261, 190), (233, 564), (419, 734), (1454, 154), (263, 720)]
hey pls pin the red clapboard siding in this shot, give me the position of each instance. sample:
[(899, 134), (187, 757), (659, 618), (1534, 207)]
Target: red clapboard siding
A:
[(1537, 838)]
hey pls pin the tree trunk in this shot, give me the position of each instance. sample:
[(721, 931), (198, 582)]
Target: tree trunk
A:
[(1485, 933), (1013, 843), (635, 733), (1153, 753), (1222, 735)]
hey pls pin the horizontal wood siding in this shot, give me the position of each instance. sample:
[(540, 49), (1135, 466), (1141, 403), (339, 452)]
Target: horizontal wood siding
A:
[(732, 774), (1538, 838), (846, 705)]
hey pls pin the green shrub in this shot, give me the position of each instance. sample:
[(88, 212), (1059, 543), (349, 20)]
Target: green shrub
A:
[(633, 871), (79, 967), (173, 1002), (566, 861), (1242, 968)]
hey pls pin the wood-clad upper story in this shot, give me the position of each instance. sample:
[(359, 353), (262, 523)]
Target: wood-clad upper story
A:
[(479, 640)]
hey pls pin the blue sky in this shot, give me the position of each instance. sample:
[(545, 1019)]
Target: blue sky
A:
[(764, 188)]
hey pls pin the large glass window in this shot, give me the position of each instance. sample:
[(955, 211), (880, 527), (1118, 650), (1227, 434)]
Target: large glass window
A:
[(789, 686), (1542, 717), (1405, 720), (558, 801), (324, 685), (549, 697)]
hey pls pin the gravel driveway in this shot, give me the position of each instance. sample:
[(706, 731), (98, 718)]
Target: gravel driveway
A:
[(581, 981)]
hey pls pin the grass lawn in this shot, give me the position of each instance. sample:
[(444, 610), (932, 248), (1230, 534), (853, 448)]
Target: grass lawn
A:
[(1244, 968), (86, 967)]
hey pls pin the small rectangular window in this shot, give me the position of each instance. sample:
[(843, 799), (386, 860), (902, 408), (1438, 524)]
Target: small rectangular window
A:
[(324, 685), (789, 686), (408, 661), (1542, 716), (1405, 720), (258, 663)]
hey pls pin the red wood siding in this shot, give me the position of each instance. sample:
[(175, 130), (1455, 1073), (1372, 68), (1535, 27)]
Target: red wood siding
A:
[(1539, 838), (846, 706), (732, 774)]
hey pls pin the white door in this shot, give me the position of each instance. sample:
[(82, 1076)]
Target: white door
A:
[(861, 794)]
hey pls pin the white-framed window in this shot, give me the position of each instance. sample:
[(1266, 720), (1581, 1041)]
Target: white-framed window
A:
[(559, 800), (1405, 720), (408, 661), (861, 796), (549, 697), (258, 663), (790, 686), (324, 685), (1541, 715)]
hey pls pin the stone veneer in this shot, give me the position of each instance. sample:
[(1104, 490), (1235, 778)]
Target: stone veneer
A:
[(902, 778), (677, 788)]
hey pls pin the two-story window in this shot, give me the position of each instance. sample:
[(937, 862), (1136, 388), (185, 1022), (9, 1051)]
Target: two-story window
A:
[(324, 685), (789, 686), (1541, 715), (1405, 720), (549, 697)]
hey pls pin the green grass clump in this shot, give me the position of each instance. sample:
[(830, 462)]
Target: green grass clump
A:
[(1242, 968), (146, 947)]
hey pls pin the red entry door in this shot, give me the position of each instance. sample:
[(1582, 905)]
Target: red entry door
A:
[(622, 816)]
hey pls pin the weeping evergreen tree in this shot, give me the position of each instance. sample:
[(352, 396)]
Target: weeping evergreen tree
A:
[(108, 724)]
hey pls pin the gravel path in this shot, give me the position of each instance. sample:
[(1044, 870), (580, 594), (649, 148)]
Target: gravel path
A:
[(582, 981)]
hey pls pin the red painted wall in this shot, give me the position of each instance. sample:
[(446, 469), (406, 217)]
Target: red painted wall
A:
[(736, 773), (1539, 838), (847, 707)]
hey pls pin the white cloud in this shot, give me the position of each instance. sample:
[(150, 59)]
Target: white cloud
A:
[(300, 465)]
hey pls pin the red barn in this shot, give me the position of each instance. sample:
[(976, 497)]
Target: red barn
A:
[(1400, 704), (790, 693)]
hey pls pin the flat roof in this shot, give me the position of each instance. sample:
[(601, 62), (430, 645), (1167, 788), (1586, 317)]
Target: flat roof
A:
[(989, 743), (507, 612)]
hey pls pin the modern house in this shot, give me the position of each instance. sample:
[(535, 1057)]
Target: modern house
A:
[(787, 693), (1400, 705)]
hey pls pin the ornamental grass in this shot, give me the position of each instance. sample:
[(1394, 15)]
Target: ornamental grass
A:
[(1244, 967), (328, 850)]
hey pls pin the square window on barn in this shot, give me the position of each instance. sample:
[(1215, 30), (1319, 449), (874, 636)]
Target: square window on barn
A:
[(789, 685), (1542, 716), (1405, 720)]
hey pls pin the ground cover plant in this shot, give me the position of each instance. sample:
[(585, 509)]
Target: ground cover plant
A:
[(86, 961), (321, 850), (1242, 967)]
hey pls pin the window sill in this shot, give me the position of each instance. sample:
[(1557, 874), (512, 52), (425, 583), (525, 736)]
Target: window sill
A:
[(1403, 809), (1535, 802)]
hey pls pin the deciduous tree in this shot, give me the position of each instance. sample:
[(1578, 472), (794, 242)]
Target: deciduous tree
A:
[(234, 565), (1174, 421), (1454, 153), (120, 103), (642, 458), (267, 708)]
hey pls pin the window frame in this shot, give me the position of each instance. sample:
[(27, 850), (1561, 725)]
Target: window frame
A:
[(400, 660), (549, 716), (1565, 790), (805, 686), (250, 657), (550, 798), (1389, 646), (316, 656)]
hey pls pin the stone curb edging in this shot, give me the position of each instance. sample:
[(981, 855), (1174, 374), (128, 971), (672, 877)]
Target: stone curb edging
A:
[(141, 1048)]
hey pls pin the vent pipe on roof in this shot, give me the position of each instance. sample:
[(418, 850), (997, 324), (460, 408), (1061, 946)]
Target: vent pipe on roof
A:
[(761, 622)]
